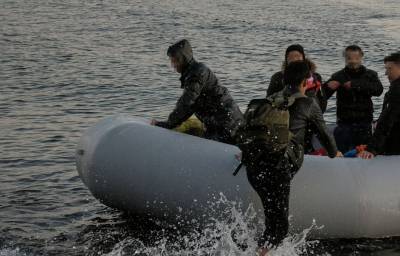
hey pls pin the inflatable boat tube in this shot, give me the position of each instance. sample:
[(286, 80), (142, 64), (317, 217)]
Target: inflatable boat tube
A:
[(153, 172)]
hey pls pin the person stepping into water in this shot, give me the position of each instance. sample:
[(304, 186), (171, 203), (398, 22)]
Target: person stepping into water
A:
[(272, 144)]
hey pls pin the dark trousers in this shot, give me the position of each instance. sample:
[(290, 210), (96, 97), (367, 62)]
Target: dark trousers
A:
[(271, 180), (348, 136)]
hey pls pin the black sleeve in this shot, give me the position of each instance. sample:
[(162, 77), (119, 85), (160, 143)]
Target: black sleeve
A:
[(184, 107), (162, 124), (322, 100), (383, 128), (275, 85), (323, 134), (328, 92), (368, 84)]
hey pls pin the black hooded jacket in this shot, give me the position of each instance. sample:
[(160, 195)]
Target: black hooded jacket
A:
[(355, 105), (386, 139), (203, 96)]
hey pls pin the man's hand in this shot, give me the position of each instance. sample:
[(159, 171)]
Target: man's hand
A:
[(153, 122), (347, 85), (366, 155), (333, 85), (339, 154)]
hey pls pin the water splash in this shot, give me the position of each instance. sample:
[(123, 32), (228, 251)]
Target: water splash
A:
[(233, 234)]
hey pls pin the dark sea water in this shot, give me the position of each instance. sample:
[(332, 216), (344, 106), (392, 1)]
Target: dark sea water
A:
[(66, 64)]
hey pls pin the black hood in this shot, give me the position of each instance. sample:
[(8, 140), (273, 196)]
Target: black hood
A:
[(181, 50)]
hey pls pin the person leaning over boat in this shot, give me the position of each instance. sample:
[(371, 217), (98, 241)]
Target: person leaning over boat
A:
[(293, 53), (203, 96), (355, 86), (386, 139), (270, 173)]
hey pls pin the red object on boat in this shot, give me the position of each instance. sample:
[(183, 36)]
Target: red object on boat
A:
[(319, 152)]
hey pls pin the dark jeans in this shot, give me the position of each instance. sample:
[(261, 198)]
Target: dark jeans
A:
[(348, 136), (271, 179)]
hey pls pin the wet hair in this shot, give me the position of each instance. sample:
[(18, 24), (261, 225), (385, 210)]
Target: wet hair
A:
[(181, 50), (178, 48), (354, 48), (394, 57), (295, 73)]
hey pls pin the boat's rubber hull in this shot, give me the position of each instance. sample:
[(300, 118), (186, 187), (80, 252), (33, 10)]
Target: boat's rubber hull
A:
[(133, 166)]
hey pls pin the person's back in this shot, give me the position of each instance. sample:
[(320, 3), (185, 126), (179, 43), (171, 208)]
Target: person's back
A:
[(305, 113), (296, 53), (317, 96), (203, 96), (214, 106)]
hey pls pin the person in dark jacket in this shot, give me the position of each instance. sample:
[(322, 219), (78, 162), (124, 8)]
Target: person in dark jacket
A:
[(296, 53), (355, 86), (386, 139), (270, 175), (203, 96)]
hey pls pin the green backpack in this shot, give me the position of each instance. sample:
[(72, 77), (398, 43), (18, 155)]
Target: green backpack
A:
[(266, 127)]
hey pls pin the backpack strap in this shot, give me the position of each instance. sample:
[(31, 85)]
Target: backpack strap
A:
[(283, 99), (238, 169), (292, 98), (279, 99)]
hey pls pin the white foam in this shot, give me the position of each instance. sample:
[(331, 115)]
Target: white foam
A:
[(222, 238)]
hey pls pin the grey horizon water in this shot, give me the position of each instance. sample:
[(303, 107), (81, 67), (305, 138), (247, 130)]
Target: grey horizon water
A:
[(65, 65)]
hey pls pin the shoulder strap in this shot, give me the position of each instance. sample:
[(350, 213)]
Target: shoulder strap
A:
[(294, 97), (278, 99), (284, 98)]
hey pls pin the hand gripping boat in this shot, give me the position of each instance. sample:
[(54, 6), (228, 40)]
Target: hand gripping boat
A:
[(153, 172)]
